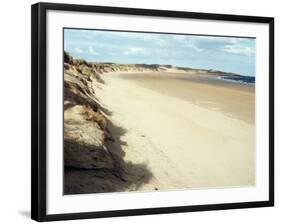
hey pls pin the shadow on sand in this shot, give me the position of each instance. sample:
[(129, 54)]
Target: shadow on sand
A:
[(125, 176)]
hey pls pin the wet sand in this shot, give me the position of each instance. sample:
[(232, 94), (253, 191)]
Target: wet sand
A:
[(237, 100), (191, 131)]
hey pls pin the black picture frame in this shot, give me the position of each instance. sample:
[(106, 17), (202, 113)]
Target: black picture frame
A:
[(39, 121)]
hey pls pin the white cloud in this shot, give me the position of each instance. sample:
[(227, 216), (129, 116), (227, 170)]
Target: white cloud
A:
[(144, 37), (92, 51), (187, 42), (134, 51), (79, 50), (211, 43), (238, 49), (156, 38), (193, 46)]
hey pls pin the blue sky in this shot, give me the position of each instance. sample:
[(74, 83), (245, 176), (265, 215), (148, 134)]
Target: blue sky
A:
[(220, 53)]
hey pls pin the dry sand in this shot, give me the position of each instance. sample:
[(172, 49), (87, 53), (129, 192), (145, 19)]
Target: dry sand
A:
[(191, 132)]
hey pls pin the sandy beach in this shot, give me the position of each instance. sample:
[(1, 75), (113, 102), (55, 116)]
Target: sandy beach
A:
[(189, 131)]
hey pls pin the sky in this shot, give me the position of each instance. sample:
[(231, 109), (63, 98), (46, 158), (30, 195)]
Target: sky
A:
[(228, 54)]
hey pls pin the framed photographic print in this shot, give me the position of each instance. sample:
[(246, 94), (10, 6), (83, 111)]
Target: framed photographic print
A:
[(139, 111)]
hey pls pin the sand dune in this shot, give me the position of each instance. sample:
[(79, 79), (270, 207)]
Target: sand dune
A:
[(188, 134)]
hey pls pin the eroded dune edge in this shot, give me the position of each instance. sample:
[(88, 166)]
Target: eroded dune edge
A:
[(93, 157), (116, 140)]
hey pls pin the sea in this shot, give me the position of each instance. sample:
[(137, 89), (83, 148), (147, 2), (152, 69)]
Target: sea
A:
[(247, 80)]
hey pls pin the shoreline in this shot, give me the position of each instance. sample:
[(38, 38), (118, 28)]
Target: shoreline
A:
[(222, 95)]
